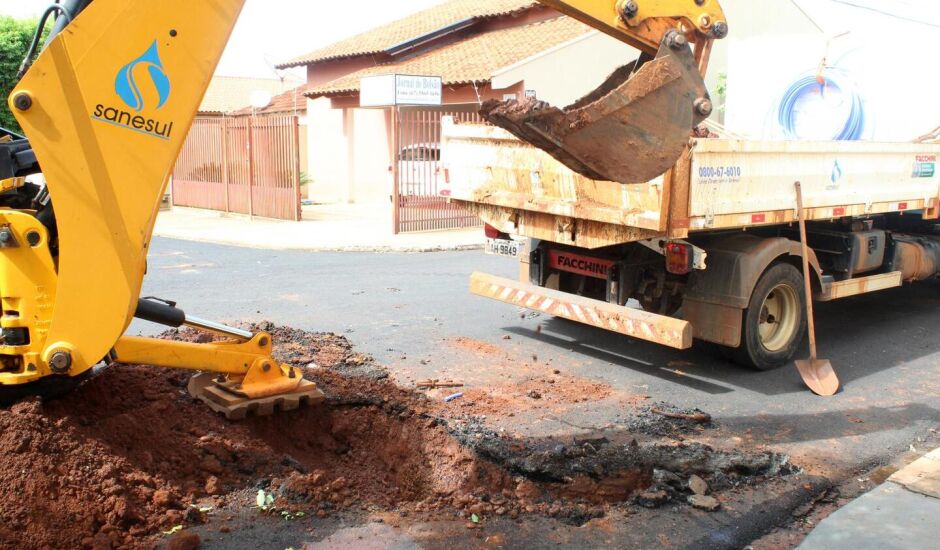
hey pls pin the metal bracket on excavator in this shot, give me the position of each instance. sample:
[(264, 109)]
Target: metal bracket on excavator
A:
[(241, 377), (630, 130), (224, 396)]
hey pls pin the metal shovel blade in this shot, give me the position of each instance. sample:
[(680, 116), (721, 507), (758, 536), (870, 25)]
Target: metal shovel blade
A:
[(632, 129), (819, 376)]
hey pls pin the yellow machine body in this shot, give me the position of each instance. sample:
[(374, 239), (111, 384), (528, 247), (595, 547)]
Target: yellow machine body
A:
[(106, 155), (106, 108)]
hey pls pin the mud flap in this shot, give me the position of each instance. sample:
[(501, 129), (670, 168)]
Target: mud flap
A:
[(630, 130)]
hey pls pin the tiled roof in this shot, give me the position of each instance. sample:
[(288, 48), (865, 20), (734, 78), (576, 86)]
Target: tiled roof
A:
[(415, 26), (473, 60), (289, 102), (228, 93)]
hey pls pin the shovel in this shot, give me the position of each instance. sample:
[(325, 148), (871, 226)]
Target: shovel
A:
[(817, 373)]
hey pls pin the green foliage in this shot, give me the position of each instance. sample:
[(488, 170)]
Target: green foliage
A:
[(15, 37), (722, 90)]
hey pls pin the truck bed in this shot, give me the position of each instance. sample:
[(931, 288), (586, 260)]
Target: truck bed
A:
[(718, 184)]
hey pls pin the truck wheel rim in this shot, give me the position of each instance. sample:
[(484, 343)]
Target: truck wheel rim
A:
[(779, 317)]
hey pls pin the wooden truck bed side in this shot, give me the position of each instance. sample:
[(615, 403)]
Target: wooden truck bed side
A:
[(718, 184)]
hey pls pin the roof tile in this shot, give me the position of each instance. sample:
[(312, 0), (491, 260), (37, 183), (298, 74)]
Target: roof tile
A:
[(417, 25), (289, 102), (228, 93), (472, 60)]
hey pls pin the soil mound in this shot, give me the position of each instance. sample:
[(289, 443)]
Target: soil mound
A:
[(130, 455)]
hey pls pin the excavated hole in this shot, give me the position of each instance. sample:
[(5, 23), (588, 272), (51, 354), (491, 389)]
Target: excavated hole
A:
[(129, 455)]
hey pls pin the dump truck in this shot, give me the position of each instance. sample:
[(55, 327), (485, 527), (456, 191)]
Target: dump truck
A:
[(700, 243)]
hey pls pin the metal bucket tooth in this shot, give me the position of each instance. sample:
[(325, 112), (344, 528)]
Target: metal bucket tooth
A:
[(631, 129), (223, 399)]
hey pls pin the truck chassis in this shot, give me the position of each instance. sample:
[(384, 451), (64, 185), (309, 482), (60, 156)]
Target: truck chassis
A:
[(710, 250)]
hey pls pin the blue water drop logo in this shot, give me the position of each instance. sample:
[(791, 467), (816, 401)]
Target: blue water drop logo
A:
[(836, 172), (128, 88)]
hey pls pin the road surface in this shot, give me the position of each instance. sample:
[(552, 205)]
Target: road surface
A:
[(413, 312)]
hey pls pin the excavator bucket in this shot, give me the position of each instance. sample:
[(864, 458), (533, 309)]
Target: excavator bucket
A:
[(630, 130)]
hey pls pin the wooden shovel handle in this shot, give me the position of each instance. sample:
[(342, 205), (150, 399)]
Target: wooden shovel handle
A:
[(810, 320)]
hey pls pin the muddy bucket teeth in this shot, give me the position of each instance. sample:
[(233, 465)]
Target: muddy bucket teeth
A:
[(221, 398), (632, 129)]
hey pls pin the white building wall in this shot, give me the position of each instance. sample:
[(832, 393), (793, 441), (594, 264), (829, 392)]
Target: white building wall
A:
[(328, 152), (564, 74), (883, 59), (370, 178)]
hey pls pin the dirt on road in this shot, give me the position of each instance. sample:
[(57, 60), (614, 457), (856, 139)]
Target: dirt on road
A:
[(129, 459)]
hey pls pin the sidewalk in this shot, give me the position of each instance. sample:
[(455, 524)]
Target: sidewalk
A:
[(325, 228), (902, 513)]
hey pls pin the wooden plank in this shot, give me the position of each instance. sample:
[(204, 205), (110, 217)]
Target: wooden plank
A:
[(722, 184), (674, 333), (679, 221), (863, 285)]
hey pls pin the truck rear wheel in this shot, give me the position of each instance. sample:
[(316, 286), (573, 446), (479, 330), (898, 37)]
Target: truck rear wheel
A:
[(775, 320)]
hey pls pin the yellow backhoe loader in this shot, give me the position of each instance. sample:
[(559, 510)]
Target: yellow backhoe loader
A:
[(106, 107)]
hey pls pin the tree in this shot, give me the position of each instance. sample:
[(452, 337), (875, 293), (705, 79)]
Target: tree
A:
[(15, 37)]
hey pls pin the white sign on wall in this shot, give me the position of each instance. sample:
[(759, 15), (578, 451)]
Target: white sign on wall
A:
[(399, 89)]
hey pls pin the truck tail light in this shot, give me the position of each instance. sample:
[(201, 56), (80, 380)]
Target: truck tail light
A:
[(679, 258), (491, 232)]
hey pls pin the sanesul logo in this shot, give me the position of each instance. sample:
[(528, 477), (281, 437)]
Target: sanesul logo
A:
[(126, 84), (142, 85)]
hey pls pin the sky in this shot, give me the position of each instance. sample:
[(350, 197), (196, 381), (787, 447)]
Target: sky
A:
[(274, 31)]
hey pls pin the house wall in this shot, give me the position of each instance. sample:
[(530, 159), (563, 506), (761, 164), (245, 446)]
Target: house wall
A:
[(875, 57), (564, 74), (319, 74), (351, 149), (766, 37), (327, 152)]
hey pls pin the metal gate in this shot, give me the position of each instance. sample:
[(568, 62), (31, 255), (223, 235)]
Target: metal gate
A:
[(418, 206), (247, 165)]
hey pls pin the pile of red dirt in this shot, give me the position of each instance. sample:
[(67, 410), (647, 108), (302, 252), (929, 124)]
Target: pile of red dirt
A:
[(130, 454)]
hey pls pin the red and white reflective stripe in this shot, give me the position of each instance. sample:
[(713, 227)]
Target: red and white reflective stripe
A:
[(584, 314)]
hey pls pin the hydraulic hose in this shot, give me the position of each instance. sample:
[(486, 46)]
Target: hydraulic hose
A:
[(34, 45), (809, 86)]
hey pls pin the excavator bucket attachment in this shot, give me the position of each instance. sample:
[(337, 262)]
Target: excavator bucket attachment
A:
[(241, 376), (630, 130), (226, 397)]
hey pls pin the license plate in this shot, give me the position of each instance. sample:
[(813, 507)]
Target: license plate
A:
[(504, 247)]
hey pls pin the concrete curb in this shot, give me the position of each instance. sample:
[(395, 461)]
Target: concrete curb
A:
[(378, 249), (900, 513)]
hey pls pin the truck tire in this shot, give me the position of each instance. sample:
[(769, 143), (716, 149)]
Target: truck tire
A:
[(775, 320)]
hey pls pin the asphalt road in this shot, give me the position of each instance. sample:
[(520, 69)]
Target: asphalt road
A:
[(408, 310)]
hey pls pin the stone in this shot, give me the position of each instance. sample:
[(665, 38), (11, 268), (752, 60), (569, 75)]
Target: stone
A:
[(213, 487), (184, 540), (528, 490), (702, 502), (652, 499), (698, 485)]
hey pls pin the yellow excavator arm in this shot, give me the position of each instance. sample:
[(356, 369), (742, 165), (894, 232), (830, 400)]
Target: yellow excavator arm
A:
[(644, 23), (106, 108), (635, 126)]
